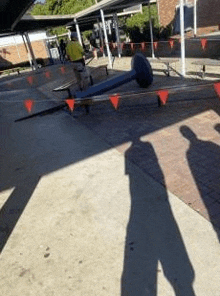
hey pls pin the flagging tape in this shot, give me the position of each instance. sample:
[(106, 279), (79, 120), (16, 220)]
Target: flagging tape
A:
[(163, 96), (62, 69), (217, 88), (143, 45), (29, 103), (114, 99), (47, 74), (171, 43), (155, 45), (204, 43), (30, 80), (71, 103)]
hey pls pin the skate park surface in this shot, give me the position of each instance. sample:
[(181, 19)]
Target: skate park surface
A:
[(119, 202)]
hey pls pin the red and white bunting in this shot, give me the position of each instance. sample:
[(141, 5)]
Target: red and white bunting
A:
[(48, 74), (204, 43), (163, 96), (62, 69), (30, 79), (70, 103), (217, 88), (171, 42), (114, 99), (28, 104), (155, 45)]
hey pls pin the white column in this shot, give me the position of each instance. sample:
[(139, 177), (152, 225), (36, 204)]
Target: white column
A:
[(151, 32), (78, 32), (182, 39), (106, 39), (195, 18), (101, 36), (30, 51), (115, 18), (17, 49)]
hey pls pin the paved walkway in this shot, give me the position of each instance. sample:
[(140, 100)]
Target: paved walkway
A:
[(112, 203)]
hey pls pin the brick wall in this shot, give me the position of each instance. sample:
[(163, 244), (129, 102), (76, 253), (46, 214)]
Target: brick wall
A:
[(208, 14), (166, 10), (15, 54)]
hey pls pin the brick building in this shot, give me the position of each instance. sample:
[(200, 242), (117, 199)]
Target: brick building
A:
[(13, 50), (208, 14)]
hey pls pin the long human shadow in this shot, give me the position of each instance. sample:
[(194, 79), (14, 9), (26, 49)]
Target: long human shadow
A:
[(204, 162), (152, 232)]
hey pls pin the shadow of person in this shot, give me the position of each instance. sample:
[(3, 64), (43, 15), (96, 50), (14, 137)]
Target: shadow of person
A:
[(152, 233), (14, 207), (217, 127), (203, 160)]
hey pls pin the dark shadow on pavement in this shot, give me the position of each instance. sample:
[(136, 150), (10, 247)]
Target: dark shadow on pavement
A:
[(204, 162), (14, 207), (152, 232)]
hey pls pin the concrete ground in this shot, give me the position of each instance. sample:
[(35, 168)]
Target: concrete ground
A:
[(111, 203)]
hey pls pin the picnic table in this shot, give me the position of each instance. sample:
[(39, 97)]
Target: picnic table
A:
[(206, 62), (168, 62)]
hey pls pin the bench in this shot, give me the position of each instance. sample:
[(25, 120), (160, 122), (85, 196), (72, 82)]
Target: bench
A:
[(168, 62), (66, 86), (101, 67), (204, 63)]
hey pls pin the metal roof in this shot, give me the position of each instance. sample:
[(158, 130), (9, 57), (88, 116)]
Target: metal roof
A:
[(108, 6), (42, 22), (11, 11), (12, 18)]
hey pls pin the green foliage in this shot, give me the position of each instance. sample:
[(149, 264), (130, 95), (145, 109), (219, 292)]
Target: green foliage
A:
[(54, 7), (140, 20), (38, 9), (58, 31), (137, 27), (87, 34)]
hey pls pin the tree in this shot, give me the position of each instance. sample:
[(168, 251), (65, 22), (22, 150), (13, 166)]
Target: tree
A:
[(54, 7), (137, 26), (60, 7)]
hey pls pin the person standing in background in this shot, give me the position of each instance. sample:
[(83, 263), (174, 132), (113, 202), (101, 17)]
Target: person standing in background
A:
[(62, 50), (75, 53)]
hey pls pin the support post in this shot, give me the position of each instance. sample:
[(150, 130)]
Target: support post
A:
[(115, 18), (17, 48), (182, 38), (151, 32), (30, 50), (106, 39), (28, 54), (195, 18), (101, 36), (78, 32)]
